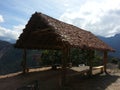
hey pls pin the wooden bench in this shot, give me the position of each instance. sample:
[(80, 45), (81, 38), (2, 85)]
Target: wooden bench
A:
[(83, 70), (99, 67)]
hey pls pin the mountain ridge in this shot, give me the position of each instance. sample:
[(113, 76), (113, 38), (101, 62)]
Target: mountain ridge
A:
[(114, 42), (9, 58)]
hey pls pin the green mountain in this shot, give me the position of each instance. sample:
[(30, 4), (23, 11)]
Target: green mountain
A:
[(113, 42), (10, 58)]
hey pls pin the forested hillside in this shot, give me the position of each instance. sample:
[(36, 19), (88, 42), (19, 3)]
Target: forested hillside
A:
[(10, 58)]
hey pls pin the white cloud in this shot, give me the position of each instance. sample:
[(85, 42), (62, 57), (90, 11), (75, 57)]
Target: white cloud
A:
[(1, 18), (114, 31), (9, 35), (99, 17)]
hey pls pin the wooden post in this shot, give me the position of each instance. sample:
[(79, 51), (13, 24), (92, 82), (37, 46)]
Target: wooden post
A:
[(105, 60), (23, 63), (91, 55), (69, 58), (64, 64)]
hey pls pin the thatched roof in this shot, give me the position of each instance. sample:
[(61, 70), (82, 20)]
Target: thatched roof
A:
[(45, 32)]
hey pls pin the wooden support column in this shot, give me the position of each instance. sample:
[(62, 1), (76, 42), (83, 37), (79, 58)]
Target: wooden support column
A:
[(23, 63), (64, 65), (91, 57), (69, 58), (105, 57)]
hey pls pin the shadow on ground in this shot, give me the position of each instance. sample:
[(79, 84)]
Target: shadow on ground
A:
[(96, 82)]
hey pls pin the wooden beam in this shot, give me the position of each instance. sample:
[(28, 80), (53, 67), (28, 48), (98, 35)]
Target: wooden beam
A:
[(42, 30), (23, 63), (91, 55), (64, 65), (105, 57), (69, 62)]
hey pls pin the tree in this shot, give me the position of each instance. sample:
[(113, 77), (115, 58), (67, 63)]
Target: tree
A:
[(50, 57)]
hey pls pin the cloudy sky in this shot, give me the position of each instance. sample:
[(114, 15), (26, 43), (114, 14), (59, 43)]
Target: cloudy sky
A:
[(101, 17)]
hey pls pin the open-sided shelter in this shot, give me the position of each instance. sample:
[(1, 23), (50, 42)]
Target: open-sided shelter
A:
[(45, 32)]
